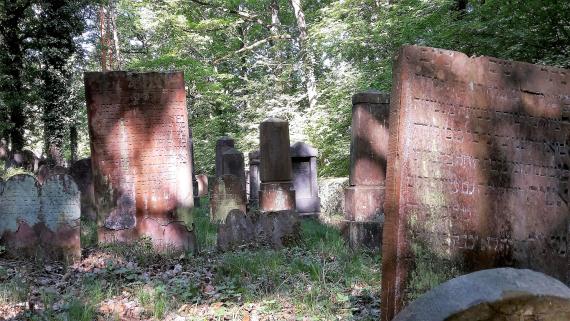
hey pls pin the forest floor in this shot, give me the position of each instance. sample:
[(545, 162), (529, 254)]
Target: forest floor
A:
[(318, 279)]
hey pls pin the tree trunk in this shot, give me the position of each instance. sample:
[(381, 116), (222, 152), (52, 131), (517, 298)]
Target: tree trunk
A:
[(73, 143), (307, 56)]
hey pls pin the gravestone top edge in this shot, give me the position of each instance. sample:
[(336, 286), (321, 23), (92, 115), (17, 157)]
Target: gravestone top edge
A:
[(485, 286), (371, 97), (302, 149), (274, 120)]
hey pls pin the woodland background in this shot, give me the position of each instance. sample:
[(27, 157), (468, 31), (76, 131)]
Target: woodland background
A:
[(245, 60)]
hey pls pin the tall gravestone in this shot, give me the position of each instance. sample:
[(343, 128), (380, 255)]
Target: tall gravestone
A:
[(40, 220), (478, 171), (254, 180), (276, 192), (364, 198), (222, 145), (304, 169), (142, 168), (233, 164)]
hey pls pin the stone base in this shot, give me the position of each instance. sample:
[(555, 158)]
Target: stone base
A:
[(363, 234), (277, 229), (364, 203), (314, 215), (276, 196), (173, 237)]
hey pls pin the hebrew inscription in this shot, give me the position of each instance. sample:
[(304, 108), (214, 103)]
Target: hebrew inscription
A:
[(41, 220), (140, 154), (478, 171)]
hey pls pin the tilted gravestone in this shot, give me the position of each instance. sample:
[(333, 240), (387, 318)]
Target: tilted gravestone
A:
[(40, 220), (276, 191), (304, 169), (478, 171), (503, 294), (221, 145), (364, 198), (80, 170), (254, 180), (142, 168)]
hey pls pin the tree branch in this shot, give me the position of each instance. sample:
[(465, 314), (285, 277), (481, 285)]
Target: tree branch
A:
[(244, 15), (252, 46)]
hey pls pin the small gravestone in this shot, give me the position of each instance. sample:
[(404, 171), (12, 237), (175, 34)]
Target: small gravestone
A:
[(304, 166), (47, 170), (221, 145), (276, 192), (61, 210), (42, 221), (493, 295), (254, 179), (364, 198), (19, 213), (233, 164), (226, 195), (142, 167), (477, 171), (25, 159), (237, 229), (80, 170)]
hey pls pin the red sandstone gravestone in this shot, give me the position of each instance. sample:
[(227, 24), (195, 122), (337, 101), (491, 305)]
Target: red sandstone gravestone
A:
[(364, 198), (477, 171), (276, 189), (138, 126)]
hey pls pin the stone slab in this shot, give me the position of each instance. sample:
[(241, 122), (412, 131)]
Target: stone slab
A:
[(138, 125), (369, 140), (221, 145), (226, 195), (364, 203), (275, 164), (503, 294), (477, 171), (367, 235), (276, 197)]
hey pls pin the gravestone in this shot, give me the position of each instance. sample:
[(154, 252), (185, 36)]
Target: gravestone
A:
[(4, 151), (503, 294), (40, 221), (254, 180), (80, 170), (46, 170), (142, 168), (276, 192), (477, 171), (226, 195), (304, 167), (221, 145), (202, 180), (25, 159), (364, 198), (233, 164)]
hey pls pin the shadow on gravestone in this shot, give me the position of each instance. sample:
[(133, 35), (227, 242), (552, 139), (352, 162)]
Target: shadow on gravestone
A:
[(477, 171), (40, 220), (503, 294)]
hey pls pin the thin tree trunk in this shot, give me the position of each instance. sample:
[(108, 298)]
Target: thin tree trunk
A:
[(306, 54), (113, 20), (73, 143)]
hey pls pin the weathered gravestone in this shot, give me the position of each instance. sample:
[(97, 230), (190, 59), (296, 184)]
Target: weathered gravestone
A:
[(25, 159), (478, 170), (364, 198), (304, 168), (276, 191), (46, 170), (226, 195), (40, 220), (80, 170), (221, 145), (142, 169), (254, 180), (493, 295), (233, 164)]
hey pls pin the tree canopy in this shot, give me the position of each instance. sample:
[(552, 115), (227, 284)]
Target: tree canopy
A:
[(246, 60)]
